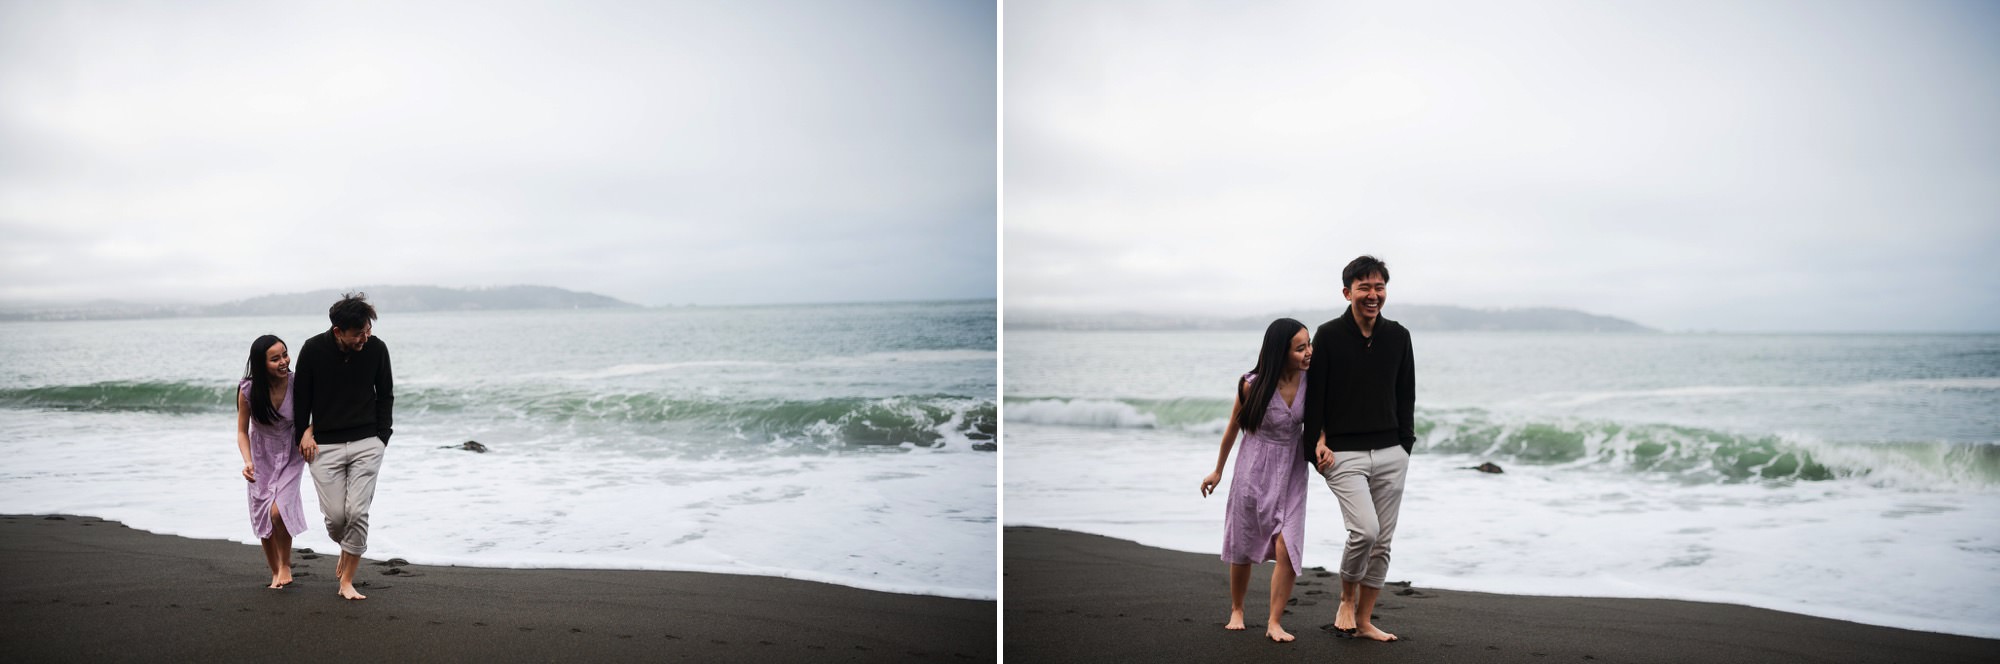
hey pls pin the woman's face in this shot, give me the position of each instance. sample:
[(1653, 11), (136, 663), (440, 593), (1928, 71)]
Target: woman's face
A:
[(278, 361), (1302, 351)]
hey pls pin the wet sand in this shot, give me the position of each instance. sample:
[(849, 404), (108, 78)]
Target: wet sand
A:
[(1074, 597), (85, 589)]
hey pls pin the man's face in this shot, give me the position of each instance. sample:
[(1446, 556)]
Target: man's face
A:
[(1367, 295), (353, 340)]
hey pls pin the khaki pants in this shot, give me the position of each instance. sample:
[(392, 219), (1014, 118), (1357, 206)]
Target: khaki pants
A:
[(1369, 486), (344, 475)]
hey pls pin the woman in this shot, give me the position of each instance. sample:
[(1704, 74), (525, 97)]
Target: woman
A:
[(270, 463), (1267, 495)]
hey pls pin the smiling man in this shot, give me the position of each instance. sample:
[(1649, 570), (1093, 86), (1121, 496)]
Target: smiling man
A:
[(342, 397), (1361, 395)]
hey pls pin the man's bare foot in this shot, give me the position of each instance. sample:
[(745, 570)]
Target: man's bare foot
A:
[(1277, 633), (1343, 619), (349, 593), (1376, 633), (1235, 620)]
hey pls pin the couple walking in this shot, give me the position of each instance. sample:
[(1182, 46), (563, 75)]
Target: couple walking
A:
[(332, 416), (1342, 403)]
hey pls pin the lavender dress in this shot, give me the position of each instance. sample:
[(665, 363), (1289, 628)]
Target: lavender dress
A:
[(1267, 495), (278, 465)]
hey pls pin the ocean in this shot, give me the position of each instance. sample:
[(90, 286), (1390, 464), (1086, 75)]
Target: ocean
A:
[(1847, 476), (849, 444)]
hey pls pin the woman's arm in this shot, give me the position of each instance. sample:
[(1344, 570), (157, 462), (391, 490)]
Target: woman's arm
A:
[(1228, 441), (243, 436)]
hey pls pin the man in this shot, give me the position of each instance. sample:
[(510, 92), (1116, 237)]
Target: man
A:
[(1361, 396), (341, 401)]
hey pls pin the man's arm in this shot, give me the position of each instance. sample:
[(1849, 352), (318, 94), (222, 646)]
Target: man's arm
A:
[(385, 397), (302, 395), (1406, 396), (1319, 382)]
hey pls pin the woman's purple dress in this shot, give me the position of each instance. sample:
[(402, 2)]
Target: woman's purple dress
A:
[(278, 465), (1267, 495)]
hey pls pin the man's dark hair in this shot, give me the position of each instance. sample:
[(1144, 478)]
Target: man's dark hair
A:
[(351, 312), (1361, 268)]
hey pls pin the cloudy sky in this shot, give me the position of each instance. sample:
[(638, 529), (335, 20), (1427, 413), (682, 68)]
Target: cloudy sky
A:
[(658, 152), (1753, 166)]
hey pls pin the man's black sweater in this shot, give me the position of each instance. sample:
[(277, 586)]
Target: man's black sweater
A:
[(343, 397), (1361, 390)]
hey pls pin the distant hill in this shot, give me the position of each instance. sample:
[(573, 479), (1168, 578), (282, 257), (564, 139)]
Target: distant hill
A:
[(399, 299), (1416, 316)]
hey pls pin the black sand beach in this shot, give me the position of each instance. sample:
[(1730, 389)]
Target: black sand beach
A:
[(1073, 597), (85, 589)]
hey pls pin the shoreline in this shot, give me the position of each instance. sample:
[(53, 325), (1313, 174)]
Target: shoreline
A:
[(85, 588), (1078, 597)]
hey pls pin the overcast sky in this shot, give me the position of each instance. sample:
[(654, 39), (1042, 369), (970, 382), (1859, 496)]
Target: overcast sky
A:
[(1755, 166), (658, 152)]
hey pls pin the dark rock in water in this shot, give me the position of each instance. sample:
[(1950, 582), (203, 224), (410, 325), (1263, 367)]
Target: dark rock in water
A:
[(396, 562), (303, 550), (53, 518), (1488, 467), (986, 447), (469, 446)]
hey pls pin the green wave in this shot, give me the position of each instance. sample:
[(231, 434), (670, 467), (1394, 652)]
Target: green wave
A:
[(125, 396), (1691, 454), (890, 421)]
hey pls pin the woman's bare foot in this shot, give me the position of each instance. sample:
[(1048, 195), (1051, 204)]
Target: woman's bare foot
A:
[(348, 592), (281, 580), (1277, 633), (1373, 632), (1343, 619), (1235, 620)]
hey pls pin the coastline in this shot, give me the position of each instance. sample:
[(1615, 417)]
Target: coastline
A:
[(1075, 597), (83, 588)]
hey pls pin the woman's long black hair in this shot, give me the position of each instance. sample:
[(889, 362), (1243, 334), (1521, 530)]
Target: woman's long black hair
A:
[(1271, 361), (261, 407)]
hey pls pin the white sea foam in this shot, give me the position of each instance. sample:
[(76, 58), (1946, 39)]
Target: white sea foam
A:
[(908, 521), (1819, 548)]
